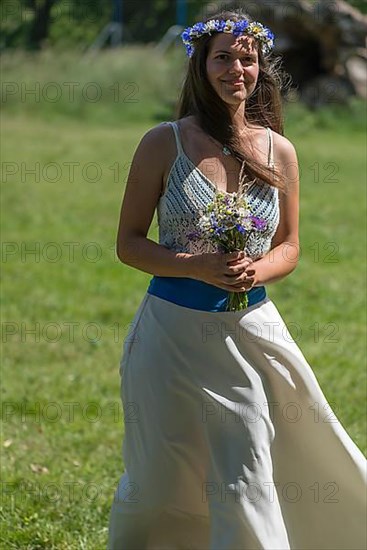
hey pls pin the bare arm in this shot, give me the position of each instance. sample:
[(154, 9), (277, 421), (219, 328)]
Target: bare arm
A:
[(142, 192), (283, 257), (143, 189)]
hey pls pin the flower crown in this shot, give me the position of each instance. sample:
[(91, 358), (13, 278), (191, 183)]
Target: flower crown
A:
[(237, 28)]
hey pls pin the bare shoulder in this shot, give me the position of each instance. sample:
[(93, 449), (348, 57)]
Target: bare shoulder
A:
[(284, 149), (157, 138), (155, 152)]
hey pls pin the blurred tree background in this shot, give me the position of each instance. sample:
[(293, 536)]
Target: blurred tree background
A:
[(73, 110), (322, 43), (32, 23)]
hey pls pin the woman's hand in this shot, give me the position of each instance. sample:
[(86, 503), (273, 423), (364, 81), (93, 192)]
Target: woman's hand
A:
[(230, 271), (244, 272)]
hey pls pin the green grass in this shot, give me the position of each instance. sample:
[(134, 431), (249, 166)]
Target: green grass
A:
[(61, 464), (129, 84)]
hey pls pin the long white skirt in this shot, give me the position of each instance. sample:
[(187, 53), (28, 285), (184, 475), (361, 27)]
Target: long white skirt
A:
[(230, 444)]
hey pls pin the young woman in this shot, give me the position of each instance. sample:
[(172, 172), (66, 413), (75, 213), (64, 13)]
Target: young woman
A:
[(229, 441)]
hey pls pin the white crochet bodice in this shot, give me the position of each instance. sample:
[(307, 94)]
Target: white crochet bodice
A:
[(188, 191)]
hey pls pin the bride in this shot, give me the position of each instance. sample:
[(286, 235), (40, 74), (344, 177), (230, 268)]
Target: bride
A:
[(224, 450)]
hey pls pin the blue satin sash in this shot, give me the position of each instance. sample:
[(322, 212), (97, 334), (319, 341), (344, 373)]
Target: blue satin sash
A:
[(196, 294)]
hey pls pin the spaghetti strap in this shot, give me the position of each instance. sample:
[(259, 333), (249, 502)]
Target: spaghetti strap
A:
[(271, 148), (177, 137)]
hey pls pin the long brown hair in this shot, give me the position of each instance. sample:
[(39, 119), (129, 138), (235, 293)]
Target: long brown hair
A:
[(263, 107)]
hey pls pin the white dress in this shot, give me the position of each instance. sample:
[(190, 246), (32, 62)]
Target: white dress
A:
[(229, 442)]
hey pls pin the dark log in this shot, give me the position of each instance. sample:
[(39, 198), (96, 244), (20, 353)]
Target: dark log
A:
[(323, 46)]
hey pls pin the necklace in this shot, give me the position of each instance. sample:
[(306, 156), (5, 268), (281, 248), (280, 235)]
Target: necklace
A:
[(243, 186)]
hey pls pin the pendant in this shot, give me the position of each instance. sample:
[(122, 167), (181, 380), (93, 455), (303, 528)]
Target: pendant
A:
[(226, 151)]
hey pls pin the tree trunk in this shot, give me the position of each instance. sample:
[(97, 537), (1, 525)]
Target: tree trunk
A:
[(41, 23)]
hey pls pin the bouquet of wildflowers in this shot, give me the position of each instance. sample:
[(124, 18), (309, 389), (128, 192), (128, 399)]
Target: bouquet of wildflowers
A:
[(228, 223)]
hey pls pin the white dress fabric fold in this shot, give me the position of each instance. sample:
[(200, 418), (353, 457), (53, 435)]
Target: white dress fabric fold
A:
[(230, 443)]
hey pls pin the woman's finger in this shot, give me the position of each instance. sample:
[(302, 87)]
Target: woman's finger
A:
[(246, 259), (235, 272), (239, 281), (238, 268)]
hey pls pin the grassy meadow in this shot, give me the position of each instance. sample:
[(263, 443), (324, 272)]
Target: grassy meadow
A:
[(67, 302)]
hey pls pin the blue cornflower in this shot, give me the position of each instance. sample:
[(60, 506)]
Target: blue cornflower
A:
[(240, 27), (240, 228)]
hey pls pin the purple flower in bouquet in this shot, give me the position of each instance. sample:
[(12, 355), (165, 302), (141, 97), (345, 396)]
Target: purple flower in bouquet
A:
[(228, 223), (259, 223)]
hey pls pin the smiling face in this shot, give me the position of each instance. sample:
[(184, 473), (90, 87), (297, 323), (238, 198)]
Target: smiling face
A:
[(232, 67)]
